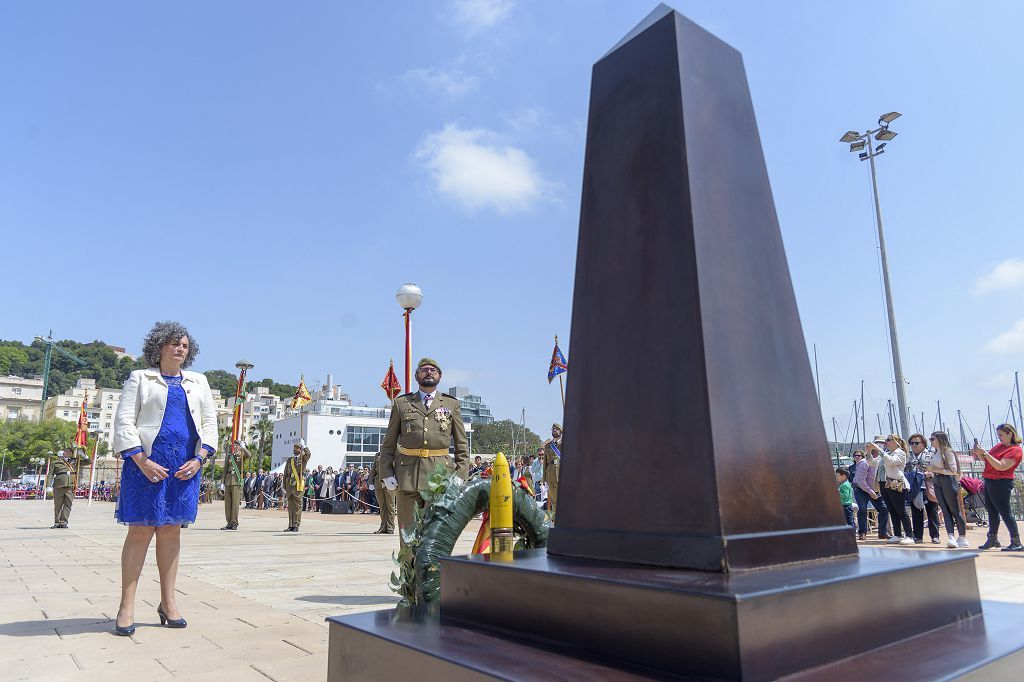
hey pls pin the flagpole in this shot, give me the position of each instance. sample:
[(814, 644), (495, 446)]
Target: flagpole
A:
[(92, 468), (561, 388)]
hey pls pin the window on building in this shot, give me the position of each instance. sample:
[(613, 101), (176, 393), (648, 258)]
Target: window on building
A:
[(364, 438), (16, 391), (66, 413), (359, 460)]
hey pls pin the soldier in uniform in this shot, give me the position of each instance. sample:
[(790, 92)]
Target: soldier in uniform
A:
[(232, 480), (552, 457), (63, 469), (295, 484), (422, 426), (385, 499)]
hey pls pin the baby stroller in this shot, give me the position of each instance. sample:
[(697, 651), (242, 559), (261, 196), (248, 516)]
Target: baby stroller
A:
[(974, 500)]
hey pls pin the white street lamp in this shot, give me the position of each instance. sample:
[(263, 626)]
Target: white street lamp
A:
[(410, 297)]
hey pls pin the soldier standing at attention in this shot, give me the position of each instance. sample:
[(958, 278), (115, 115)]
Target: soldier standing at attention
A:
[(422, 426), (295, 484), (552, 458), (385, 499), (63, 468), (233, 483)]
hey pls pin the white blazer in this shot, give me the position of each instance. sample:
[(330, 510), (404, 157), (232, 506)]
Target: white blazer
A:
[(141, 410)]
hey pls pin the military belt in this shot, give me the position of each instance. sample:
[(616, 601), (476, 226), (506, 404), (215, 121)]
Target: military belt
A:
[(422, 452)]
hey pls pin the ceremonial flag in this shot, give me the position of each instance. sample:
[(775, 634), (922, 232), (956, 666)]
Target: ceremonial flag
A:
[(482, 543), (82, 434), (302, 396), (391, 385), (559, 364)]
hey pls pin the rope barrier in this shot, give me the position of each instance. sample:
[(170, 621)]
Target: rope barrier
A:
[(275, 498)]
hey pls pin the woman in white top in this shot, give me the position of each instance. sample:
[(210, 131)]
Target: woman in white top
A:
[(327, 487), (894, 458), (165, 428), (946, 471)]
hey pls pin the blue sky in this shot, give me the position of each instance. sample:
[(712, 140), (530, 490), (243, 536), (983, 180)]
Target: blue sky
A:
[(269, 173)]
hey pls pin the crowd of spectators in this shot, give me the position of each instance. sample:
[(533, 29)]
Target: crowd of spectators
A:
[(918, 484)]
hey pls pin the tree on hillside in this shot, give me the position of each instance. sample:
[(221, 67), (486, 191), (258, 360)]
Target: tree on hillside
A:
[(101, 363), (24, 440), (223, 381), (498, 437), (283, 391), (11, 357)]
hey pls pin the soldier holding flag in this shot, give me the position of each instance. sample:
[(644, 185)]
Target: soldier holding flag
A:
[(232, 480), (295, 484), (63, 470)]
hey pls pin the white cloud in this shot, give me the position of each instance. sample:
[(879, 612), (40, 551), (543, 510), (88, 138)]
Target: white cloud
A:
[(996, 381), (477, 15), (1012, 340), (474, 169), (449, 82), (1006, 275)]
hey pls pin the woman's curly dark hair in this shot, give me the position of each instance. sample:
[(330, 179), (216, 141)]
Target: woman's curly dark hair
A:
[(162, 334)]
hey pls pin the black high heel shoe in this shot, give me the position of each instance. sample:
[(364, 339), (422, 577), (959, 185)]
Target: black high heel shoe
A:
[(169, 622), (126, 631)]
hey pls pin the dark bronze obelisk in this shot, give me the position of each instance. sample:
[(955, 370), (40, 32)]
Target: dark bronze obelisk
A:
[(699, 532), (690, 394)]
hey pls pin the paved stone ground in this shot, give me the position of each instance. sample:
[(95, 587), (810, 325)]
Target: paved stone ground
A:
[(255, 599)]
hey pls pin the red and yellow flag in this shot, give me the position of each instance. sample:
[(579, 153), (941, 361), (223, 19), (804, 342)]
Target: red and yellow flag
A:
[(82, 433), (302, 396), (391, 385)]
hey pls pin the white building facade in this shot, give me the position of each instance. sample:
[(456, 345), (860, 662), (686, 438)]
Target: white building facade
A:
[(336, 433), (20, 398)]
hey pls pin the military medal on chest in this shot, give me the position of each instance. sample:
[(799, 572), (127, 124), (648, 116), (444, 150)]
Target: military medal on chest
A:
[(444, 417)]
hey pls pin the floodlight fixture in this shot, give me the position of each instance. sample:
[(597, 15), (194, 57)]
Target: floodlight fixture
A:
[(858, 145), (863, 156), (849, 136), (885, 135), (880, 147), (889, 118)]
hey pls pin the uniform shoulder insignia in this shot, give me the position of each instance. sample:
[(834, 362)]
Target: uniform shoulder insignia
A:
[(449, 396), (407, 395)]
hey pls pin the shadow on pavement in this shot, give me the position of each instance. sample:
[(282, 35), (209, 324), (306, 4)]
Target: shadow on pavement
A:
[(67, 626), (348, 600)]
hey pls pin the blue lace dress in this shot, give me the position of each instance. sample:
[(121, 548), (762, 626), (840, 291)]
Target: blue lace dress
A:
[(170, 501)]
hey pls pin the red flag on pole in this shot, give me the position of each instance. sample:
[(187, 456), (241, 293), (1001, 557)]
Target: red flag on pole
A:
[(82, 434), (391, 385)]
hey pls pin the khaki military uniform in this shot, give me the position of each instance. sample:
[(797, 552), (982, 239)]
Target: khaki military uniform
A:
[(416, 442), (551, 463), (295, 485), (232, 480), (385, 498), (63, 473)]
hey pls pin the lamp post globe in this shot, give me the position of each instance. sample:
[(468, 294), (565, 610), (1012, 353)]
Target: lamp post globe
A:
[(409, 296), (244, 364)]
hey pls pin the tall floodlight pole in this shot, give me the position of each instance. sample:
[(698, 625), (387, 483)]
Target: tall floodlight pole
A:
[(409, 296), (858, 142)]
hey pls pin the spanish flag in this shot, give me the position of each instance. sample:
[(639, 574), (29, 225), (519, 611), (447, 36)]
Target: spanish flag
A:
[(302, 396), (391, 385), (82, 434)]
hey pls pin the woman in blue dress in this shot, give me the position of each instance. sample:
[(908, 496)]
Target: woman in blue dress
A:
[(165, 427)]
